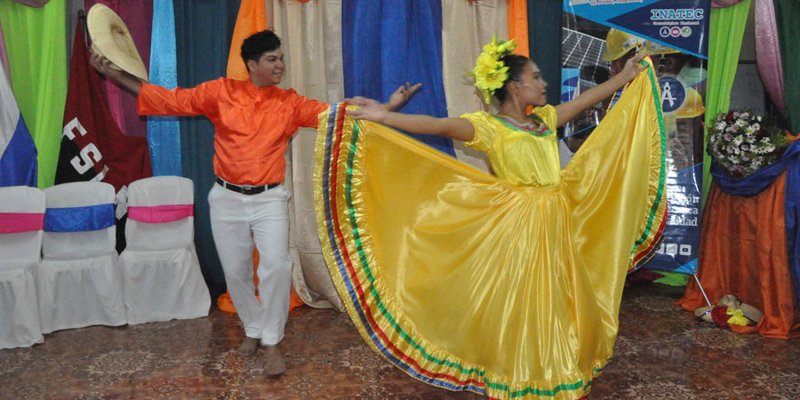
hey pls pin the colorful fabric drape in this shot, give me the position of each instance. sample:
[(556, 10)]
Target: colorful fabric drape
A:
[(724, 43), (208, 25), (789, 165), (468, 282), (311, 43), (403, 40), (742, 255), (36, 48), (17, 150), (4, 55), (544, 33), (138, 17), (518, 26), (252, 18), (164, 133), (787, 13), (768, 52)]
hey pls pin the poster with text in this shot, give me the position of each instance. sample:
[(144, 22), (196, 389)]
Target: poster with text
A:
[(598, 36)]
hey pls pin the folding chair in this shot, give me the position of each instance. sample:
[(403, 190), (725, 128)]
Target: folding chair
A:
[(79, 280), (160, 270), (21, 221)]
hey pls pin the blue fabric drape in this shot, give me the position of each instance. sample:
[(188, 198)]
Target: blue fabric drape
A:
[(544, 38), (164, 133), (79, 219), (756, 183), (204, 29), (388, 43)]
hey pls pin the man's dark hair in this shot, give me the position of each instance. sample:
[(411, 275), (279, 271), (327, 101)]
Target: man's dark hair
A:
[(259, 43)]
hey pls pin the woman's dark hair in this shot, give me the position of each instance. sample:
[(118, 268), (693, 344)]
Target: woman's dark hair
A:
[(259, 43), (515, 63)]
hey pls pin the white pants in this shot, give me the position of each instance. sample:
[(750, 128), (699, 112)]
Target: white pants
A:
[(237, 221)]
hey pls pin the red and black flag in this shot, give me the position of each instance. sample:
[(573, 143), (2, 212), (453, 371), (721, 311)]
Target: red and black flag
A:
[(92, 145)]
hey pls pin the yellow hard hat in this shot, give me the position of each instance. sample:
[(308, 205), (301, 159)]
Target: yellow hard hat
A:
[(657, 48), (692, 107), (619, 43)]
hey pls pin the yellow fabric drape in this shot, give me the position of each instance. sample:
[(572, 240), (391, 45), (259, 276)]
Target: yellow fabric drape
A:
[(469, 282)]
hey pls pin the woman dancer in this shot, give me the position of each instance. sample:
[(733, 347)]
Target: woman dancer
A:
[(506, 285)]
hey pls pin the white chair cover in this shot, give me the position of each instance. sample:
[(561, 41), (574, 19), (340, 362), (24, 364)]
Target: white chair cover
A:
[(79, 280), (21, 254), (160, 270)]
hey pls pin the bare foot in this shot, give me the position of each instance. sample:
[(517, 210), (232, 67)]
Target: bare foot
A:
[(248, 347), (276, 364)]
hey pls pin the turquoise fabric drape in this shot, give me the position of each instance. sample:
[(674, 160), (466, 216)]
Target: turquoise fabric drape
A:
[(204, 29), (724, 43), (164, 133)]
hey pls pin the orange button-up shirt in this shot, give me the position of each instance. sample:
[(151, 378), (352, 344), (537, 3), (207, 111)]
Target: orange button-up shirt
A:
[(253, 125)]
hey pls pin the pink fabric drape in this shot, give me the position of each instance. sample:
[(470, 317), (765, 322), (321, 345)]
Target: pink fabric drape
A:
[(768, 51), (138, 16), (21, 222), (4, 55), (160, 214), (724, 3)]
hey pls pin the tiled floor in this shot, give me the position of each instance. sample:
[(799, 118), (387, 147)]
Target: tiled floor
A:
[(661, 353)]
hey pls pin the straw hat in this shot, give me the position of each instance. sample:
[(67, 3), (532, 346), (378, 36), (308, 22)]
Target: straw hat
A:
[(112, 39), (729, 300)]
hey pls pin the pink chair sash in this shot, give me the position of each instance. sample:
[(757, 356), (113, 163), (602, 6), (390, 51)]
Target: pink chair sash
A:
[(21, 222), (160, 214)]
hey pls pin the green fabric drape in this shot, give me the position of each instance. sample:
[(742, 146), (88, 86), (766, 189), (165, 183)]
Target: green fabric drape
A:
[(544, 39), (724, 43), (787, 13), (37, 54), (203, 29)]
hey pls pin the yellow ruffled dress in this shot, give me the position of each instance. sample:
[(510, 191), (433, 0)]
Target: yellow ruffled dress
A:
[(505, 285)]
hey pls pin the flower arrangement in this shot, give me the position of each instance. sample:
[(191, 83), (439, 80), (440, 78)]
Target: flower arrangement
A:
[(490, 73), (742, 144)]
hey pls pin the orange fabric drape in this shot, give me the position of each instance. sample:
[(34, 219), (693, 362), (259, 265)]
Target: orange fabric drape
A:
[(518, 26), (743, 252), (252, 18)]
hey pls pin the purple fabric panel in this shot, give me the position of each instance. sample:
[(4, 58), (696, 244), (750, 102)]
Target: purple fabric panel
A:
[(724, 3), (138, 16)]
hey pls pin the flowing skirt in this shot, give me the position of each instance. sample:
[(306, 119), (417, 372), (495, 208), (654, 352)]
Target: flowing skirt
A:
[(467, 282)]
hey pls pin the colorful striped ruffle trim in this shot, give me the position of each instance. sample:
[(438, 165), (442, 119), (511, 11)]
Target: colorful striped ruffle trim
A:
[(648, 242)]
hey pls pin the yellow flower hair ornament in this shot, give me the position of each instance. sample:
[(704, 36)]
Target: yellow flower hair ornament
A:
[(490, 73)]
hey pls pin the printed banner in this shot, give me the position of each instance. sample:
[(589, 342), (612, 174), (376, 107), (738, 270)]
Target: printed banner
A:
[(598, 36)]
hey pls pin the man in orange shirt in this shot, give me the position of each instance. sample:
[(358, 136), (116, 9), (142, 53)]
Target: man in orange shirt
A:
[(253, 122)]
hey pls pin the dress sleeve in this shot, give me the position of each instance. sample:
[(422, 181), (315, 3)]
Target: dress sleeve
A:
[(548, 114), (157, 100), (484, 130)]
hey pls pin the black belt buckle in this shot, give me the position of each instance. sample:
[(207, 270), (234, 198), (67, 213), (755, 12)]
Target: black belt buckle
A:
[(246, 189), (249, 189)]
